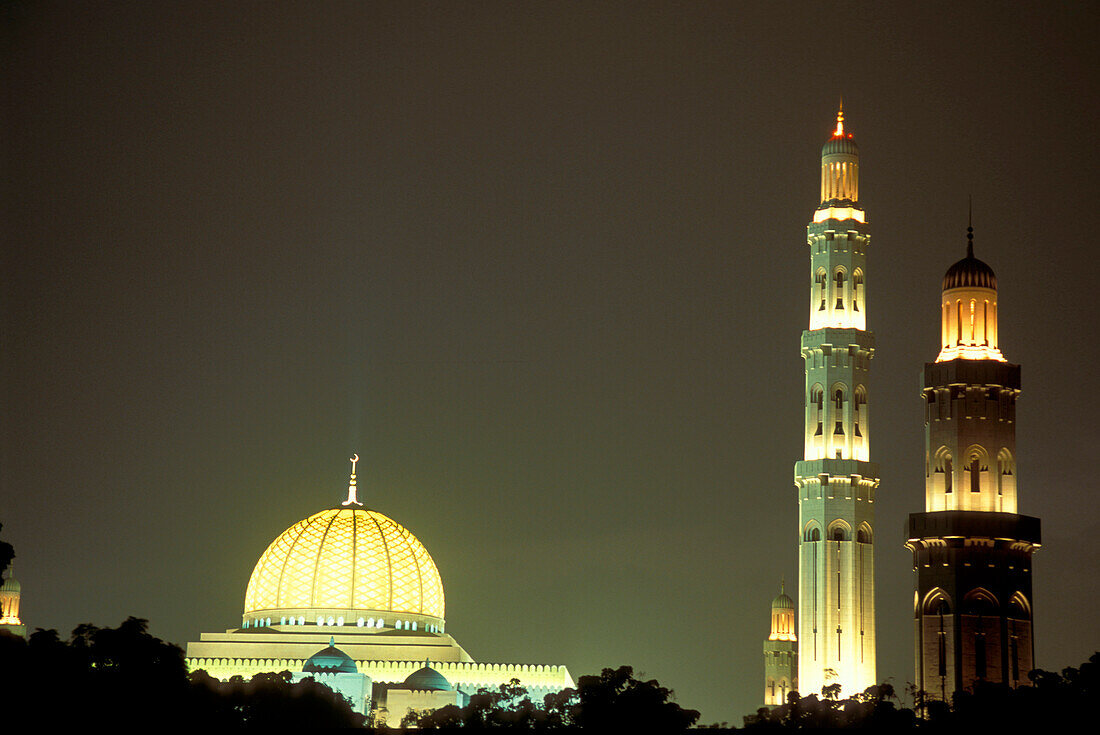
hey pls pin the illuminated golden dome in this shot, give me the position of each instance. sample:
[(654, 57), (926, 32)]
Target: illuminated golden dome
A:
[(347, 564)]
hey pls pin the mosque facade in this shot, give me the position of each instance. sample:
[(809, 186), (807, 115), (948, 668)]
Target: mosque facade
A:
[(358, 582)]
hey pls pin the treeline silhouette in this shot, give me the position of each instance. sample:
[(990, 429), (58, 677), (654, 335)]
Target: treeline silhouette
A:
[(614, 701), (126, 677), (1068, 697)]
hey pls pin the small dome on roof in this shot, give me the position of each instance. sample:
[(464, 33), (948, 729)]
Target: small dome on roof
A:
[(330, 660), (428, 678), (11, 584), (783, 602), (969, 272), (843, 143)]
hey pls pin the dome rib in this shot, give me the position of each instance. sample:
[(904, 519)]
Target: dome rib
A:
[(389, 564), (282, 567), (317, 561), (354, 559)]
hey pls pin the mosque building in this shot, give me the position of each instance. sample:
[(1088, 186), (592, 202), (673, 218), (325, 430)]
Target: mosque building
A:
[(835, 480), (350, 591), (972, 550)]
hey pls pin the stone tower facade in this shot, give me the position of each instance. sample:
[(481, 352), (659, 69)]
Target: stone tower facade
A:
[(781, 653), (971, 549), (835, 480)]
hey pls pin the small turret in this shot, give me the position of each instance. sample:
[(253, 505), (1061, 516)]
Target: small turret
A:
[(10, 592), (969, 310)]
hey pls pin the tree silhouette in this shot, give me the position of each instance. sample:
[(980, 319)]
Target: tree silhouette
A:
[(126, 678), (614, 700), (1069, 697)]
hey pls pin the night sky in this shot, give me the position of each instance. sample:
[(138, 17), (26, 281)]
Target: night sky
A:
[(543, 266)]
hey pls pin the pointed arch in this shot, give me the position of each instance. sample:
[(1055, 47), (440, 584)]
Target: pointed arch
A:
[(980, 601), (839, 530), (812, 532), (1019, 607), (865, 534), (937, 602), (976, 468), (942, 463)]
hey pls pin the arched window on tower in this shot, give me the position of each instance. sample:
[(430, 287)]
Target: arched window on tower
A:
[(822, 279), (959, 322), (949, 474), (840, 289), (857, 289), (975, 475), (817, 399), (863, 535), (839, 531), (861, 401), (838, 397), (985, 323)]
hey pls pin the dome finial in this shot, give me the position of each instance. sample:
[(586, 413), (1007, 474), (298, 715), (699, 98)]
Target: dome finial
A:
[(351, 483), (970, 226), (839, 132)]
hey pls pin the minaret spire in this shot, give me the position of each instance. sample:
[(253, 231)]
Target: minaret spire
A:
[(839, 132), (351, 483), (970, 227)]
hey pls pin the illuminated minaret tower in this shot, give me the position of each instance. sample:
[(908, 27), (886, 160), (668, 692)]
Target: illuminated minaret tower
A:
[(971, 549), (10, 591), (836, 482), (781, 653)]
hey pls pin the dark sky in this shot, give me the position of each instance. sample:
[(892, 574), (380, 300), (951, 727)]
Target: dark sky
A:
[(543, 266)]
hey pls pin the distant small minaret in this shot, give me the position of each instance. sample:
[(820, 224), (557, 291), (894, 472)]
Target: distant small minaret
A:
[(9, 606), (781, 652)]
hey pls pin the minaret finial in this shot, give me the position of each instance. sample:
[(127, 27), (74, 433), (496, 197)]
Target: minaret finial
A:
[(970, 226), (351, 483), (839, 132)]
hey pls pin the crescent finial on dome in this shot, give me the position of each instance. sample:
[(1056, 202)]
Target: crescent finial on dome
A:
[(351, 483)]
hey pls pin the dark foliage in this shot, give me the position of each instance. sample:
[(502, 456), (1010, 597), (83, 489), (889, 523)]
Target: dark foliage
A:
[(1070, 695), (125, 677), (612, 701)]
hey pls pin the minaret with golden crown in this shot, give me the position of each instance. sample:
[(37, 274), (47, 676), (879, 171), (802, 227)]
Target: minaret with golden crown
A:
[(781, 652), (971, 549), (836, 481)]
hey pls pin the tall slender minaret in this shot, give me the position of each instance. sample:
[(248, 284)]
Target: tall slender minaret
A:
[(971, 549), (836, 482)]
